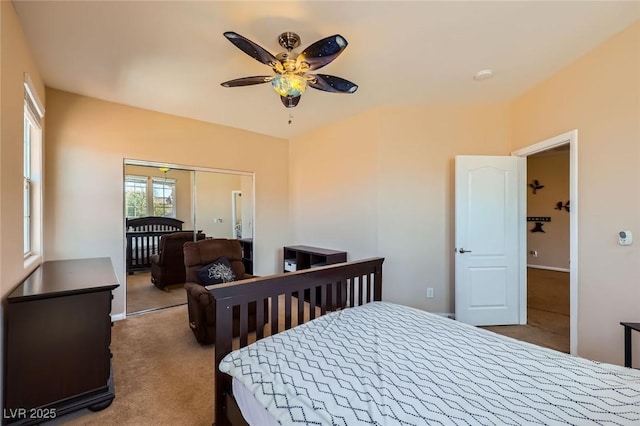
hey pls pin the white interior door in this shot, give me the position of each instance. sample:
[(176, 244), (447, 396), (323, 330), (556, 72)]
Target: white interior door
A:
[(488, 264)]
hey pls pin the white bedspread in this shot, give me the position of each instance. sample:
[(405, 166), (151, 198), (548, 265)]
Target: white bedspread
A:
[(386, 364)]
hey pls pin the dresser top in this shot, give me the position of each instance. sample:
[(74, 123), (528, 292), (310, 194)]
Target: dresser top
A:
[(62, 277)]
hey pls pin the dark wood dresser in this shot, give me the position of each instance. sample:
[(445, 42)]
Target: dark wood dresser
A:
[(58, 333)]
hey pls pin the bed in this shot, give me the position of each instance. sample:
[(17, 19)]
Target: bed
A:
[(143, 238), (372, 362)]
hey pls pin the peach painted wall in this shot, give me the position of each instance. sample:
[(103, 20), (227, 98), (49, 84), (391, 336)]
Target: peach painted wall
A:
[(381, 184), (16, 60), (213, 201), (87, 142), (333, 187), (599, 95), (416, 192)]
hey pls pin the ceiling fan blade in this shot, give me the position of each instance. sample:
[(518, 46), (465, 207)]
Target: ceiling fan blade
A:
[(290, 101), (330, 83), (323, 51), (250, 48), (247, 81)]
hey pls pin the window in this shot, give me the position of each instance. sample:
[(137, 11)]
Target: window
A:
[(149, 196), (26, 167), (32, 171), (135, 196), (163, 197)]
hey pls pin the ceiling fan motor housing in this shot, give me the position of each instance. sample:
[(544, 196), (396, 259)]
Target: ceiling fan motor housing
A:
[(288, 62), (289, 40)]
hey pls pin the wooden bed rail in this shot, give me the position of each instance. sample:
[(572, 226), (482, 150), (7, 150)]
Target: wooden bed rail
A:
[(328, 288)]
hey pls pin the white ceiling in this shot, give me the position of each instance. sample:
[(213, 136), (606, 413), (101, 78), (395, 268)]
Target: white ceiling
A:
[(172, 56)]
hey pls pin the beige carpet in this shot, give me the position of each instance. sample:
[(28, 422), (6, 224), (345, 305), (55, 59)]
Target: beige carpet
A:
[(162, 375), (142, 295), (547, 311)]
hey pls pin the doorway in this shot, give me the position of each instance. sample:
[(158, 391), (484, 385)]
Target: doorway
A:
[(236, 214), (548, 211), (485, 189), (566, 141), (548, 206)]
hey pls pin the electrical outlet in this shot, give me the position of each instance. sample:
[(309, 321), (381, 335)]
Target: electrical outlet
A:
[(534, 253), (430, 292)]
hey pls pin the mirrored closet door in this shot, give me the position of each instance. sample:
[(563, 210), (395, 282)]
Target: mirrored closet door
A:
[(167, 205)]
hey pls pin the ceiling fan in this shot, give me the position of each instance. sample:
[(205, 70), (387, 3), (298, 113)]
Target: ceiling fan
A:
[(291, 77)]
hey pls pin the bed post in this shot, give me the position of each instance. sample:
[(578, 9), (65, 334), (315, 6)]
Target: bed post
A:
[(223, 345), (377, 283)]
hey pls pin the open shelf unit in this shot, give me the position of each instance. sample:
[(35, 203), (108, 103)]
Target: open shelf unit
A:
[(297, 258), (304, 257)]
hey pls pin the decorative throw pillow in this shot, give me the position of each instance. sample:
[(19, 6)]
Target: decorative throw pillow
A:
[(218, 271)]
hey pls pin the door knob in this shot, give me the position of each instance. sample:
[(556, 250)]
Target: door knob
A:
[(464, 251)]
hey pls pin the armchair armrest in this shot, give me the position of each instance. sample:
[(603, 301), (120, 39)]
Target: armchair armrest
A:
[(199, 293), (201, 312)]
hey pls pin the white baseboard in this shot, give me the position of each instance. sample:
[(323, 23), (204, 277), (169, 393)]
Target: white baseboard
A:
[(446, 315), (118, 317), (549, 268)]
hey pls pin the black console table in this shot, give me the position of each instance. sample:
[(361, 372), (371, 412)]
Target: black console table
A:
[(57, 357), (628, 327)]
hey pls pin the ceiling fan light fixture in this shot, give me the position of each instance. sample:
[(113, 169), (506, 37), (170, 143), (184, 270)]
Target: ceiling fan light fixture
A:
[(291, 78), (289, 84)]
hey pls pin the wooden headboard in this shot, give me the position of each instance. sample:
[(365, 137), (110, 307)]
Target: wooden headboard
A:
[(143, 238), (341, 286), (153, 223)]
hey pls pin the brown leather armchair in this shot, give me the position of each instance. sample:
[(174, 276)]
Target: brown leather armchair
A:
[(167, 267), (202, 310)]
